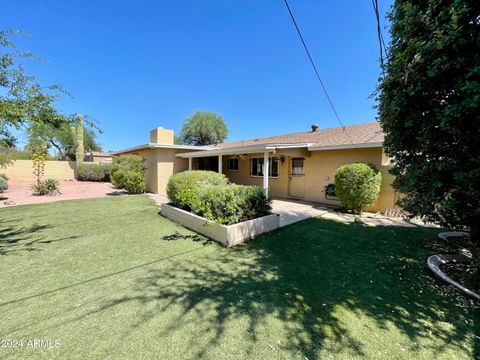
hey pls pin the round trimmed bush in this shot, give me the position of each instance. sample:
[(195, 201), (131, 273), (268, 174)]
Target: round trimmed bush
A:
[(357, 186), (183, 188), (3, 184), (128, 172)]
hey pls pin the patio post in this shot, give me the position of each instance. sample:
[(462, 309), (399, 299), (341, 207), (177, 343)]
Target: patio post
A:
[(220, 163), (189, 164), (265, 171)]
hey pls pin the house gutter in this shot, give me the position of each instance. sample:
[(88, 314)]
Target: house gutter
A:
[(346, 146), (162, 146), (243, 150)]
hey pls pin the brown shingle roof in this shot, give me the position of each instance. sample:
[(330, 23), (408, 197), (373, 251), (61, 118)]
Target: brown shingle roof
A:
[(357, 134)]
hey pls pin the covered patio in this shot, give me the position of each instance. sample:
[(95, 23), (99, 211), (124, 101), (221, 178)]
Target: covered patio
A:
[(265, 166)]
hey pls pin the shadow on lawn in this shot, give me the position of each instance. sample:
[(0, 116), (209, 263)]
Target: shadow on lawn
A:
[(302, 275), (14, 238)]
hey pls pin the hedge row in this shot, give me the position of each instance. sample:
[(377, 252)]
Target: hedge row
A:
[(93, 172), (211, 195)]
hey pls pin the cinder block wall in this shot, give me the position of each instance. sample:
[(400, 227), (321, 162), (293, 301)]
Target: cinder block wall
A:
[(23, 170)]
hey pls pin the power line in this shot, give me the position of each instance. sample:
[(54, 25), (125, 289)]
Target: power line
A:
[(381, 41), (315, 69)]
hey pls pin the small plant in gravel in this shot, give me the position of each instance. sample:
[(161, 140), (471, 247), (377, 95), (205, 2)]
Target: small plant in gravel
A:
[(42, 186), (46, 187)]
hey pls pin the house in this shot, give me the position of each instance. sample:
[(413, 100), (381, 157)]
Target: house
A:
[(99, 157), (297, 166)]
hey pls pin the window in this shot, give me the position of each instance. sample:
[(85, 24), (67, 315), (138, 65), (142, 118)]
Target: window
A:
[(256, 166), (233, 164), (297, 167)]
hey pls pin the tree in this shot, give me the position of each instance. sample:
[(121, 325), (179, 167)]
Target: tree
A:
[(204, 128), (23, 101), (62, 140), (429, 106)]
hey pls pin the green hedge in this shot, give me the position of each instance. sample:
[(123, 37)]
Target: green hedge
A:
[(128, 172), (209, 194), (231, 204), (183, 188), (357, 185), (93, 172)]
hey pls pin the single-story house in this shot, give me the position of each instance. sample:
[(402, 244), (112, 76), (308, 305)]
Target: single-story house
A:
[(297, 166), (100, 157)]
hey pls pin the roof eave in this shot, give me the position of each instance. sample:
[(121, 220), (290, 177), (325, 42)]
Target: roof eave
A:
[(346, 146), (162, 146), (249, 149)]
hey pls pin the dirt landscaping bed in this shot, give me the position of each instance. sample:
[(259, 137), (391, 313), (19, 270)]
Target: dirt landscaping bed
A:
[(19, 192)]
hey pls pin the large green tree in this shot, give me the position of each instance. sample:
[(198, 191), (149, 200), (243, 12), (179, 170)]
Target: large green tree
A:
[(24, 102), (62, 140), (204, 128), (429, 106)]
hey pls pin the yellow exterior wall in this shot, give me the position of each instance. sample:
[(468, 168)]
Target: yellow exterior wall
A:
[(277, 186), (23, 170), (160, 165), (161, 136), (320, 168), (168, 164)]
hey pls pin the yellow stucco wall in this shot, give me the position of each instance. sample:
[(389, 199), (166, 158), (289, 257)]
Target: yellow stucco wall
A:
[(160, 165), (23, 170), (161, 136), (320, 168)]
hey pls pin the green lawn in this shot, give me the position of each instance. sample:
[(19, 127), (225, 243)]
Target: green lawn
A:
[(110, 278)]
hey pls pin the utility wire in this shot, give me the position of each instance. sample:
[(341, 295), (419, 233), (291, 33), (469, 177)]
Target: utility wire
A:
[(315, 69), (381, 41)]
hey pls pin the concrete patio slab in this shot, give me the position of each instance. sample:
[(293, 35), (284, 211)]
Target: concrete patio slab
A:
[(293, 211)]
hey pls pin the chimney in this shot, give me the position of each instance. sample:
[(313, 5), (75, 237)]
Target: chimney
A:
[(314, 127), (161, 136)]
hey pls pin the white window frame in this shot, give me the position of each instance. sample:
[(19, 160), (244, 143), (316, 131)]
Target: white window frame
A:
[(238, 164), (270, 167)]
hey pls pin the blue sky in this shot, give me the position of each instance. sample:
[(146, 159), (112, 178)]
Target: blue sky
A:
[(136, 65)]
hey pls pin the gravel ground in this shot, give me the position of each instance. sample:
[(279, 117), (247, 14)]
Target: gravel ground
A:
[(19, 192)]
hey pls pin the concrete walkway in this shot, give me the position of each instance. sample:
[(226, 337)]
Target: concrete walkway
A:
[(293, 211)]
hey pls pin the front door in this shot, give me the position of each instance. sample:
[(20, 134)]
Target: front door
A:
[(297, 178)]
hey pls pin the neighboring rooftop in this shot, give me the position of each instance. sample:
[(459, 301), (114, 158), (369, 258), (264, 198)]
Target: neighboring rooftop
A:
[(100, 153), (367, 133)]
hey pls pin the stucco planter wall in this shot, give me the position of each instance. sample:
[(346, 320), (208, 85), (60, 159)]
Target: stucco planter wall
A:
[(228, 235)]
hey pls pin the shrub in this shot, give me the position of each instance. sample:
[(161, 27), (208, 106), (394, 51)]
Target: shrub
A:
[(357, 185), (3, 184), (128, 172), (183, 188), (4, 176), (45, 187), (231, 204), (93, 172)]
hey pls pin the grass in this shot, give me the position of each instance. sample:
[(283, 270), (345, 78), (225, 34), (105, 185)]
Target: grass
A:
[(112, 279)]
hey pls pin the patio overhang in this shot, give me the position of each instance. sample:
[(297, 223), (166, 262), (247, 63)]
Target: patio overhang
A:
[(250, 149), (265, 149)]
